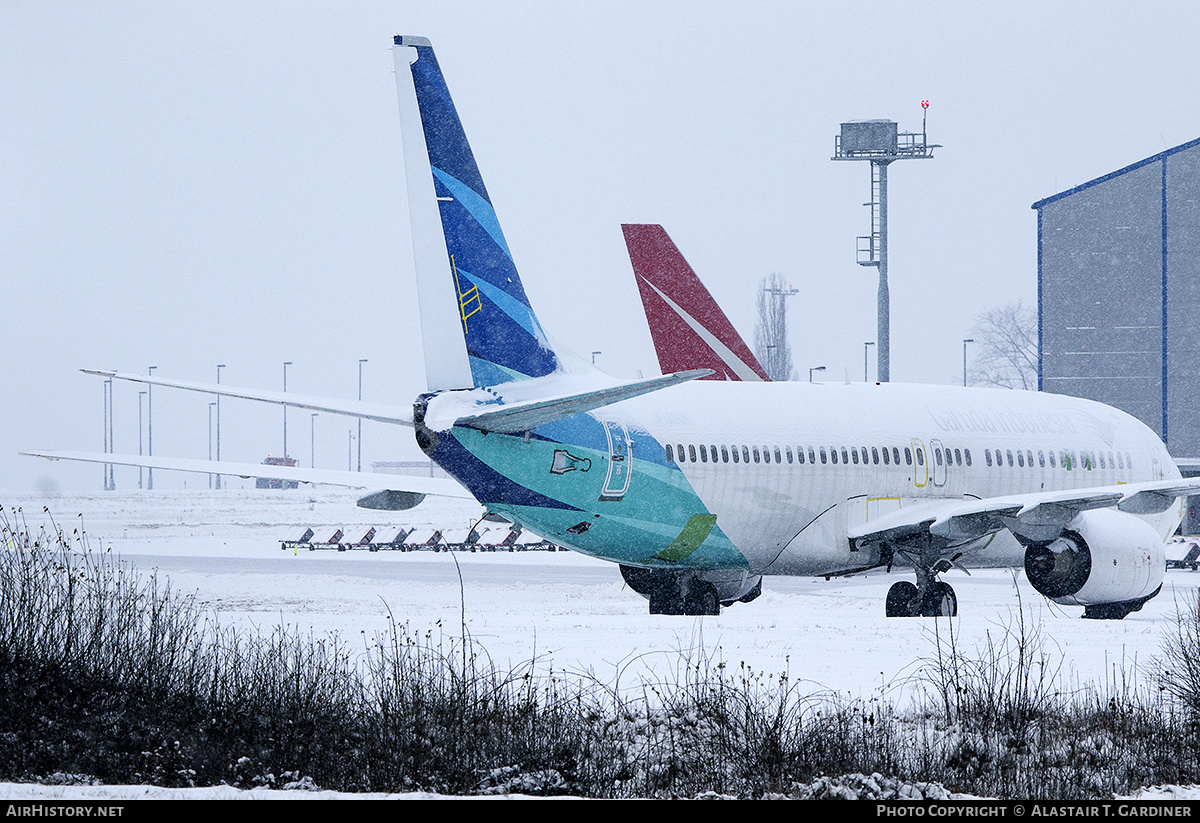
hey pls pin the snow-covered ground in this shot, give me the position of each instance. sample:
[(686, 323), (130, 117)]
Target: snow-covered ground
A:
[(561, 608)]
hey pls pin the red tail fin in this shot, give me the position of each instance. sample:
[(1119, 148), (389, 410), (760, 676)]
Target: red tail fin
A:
[(689, 329)]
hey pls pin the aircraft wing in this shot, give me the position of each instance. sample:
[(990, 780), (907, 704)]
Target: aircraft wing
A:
[(392, 491), (380, 412), (1037, 517)]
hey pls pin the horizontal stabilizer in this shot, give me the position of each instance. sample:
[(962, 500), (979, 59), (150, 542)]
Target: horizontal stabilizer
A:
[(395, 485), (521, 417), (379, 412)]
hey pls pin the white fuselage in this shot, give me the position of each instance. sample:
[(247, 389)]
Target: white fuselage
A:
[(789, 515)]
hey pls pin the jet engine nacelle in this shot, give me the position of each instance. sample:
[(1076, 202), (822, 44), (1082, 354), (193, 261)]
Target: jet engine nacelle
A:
[(1103, 556)]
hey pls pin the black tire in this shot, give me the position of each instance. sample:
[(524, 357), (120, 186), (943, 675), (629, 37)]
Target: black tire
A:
[(940, 601), (1107, 611), (901, 598), (667, 604), (701, 599)]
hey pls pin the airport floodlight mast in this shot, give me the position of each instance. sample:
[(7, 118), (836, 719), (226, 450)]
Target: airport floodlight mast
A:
[(879, 142)]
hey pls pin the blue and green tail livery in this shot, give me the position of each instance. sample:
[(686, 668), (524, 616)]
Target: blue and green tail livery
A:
[(486, 308)]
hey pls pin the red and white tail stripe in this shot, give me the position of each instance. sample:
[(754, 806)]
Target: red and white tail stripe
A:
[(689, 329)]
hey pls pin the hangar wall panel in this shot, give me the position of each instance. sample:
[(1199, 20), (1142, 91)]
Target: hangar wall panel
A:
[(1119, 293)]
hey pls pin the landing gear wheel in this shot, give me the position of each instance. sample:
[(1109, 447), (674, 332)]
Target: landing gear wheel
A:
[(940, 601), (701, 599), (902, 600)]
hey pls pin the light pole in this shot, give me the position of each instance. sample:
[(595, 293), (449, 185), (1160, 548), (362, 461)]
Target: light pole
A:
[(360, 362), (286, 363), (141, 394), (866, 349), (108, 432), (312, 457), (219, 367), (210, 440), (350, 450), (965, 342), (813, 369), (150, 426)]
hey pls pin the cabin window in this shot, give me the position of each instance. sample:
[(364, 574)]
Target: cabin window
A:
[(948, 463), (875, 455), (755, 451), (937, 455), (1029, 457), (844, 455), (788, 451), (823, 454), (679, 451), (833, 455), (725, 454), (703, 454), (987, 456), (811, 456), (777, 455), (1128, 461), (920, 456), (854, 454), (1020, 459), (1051, 455), (1041, 459), (895, 455), (735, 454), (745, 455), (1120, 461), (1112, 464), (907, 456), (691, 453), (957, 457), (1103, 465), (670, 454), (712, 450), (967, 456), (800, 454)]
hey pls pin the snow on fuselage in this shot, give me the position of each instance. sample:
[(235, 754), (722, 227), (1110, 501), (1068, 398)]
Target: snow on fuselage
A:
[(768, 477)]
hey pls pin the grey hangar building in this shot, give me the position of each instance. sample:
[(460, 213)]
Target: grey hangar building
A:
[(1119, 298)]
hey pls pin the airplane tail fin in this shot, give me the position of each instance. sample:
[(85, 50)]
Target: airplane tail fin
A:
[(477, 325), (689, 329)]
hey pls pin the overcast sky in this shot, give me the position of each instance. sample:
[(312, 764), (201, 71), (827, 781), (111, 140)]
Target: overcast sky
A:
[(183, 185)]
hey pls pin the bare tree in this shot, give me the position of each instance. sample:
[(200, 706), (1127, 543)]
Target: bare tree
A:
[(1006, 350), (771, 344)]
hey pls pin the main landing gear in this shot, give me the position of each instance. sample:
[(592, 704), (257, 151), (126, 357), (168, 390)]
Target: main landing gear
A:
[(904, 599), (928, 597), (674, 593)]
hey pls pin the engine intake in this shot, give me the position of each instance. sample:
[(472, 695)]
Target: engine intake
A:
[(1103, 556)]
